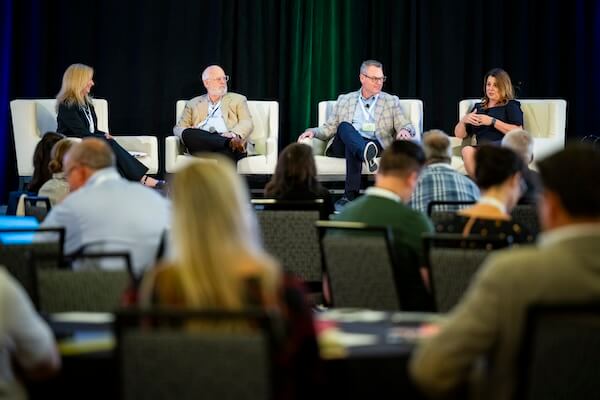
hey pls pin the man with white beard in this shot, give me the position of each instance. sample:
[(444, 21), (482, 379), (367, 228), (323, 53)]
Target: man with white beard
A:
[(218, 121)]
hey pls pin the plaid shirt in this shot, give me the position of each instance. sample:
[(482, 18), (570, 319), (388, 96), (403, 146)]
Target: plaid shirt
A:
[(440, 182)]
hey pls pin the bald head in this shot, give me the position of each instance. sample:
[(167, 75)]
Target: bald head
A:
[(92, 153), (215, 82)]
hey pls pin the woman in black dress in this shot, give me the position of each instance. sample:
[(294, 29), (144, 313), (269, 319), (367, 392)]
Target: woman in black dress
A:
[(77, 118), (497, 114)]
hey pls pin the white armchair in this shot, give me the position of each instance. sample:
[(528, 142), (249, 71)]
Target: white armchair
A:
[(262, 144), (329, 167), (32, 118), (545, 119)]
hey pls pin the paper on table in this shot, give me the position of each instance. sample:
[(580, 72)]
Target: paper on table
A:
[(87, 317), (138, 154), (353, 315)]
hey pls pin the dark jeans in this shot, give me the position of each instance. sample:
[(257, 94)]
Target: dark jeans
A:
[(199, 141), (349, 144)]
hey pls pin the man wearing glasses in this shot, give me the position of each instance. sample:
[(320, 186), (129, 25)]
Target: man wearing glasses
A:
[(362, 124), (218, 121)]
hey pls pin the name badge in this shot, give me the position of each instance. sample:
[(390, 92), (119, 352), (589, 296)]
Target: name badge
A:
[(368, 127)]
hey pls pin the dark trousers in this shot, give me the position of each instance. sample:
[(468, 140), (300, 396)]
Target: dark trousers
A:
[(128, 166), (199, 141), (349, 144)]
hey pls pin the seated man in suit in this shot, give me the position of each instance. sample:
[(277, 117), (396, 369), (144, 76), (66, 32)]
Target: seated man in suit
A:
[(363, 123), (25, 340), (218, 121), (563, 268), (105, 212)]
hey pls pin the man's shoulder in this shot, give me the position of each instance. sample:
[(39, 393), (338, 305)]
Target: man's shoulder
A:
[(235, 97), (388, 97), (198, 99)]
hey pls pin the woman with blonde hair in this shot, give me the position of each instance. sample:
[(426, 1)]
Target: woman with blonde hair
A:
[(77, 118), (57, 187), (219, 263), (489, 120), (218, 255)]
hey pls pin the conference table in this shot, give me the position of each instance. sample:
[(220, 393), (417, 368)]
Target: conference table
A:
[(365, 354)]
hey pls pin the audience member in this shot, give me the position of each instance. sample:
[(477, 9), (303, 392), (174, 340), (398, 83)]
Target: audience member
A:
[(105, 212), (521, 142), (218, 121), (77, 118), (219, 263), (384, 205), (57, 187), (563, 268), (25, 340), (489, 120), (295, 177), (362, 124), (41, 159), (498, 174), (41, 173), (439, 181)]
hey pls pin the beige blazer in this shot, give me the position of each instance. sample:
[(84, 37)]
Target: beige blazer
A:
[(388, 116), (234, 108), (489, 320)]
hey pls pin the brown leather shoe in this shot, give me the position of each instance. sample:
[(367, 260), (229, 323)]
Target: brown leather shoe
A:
[(237, 145)]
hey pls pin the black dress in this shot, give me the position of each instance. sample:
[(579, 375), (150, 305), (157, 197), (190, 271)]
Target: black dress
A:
[(509, 113), (72, 122)]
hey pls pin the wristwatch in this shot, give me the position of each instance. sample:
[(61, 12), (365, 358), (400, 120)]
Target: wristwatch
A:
[(494, 122)]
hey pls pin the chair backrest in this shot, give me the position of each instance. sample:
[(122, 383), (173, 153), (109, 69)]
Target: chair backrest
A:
[(288, 232), (34, 117), (265, 117), (560, 352), (163, 355), (361, 265), (37, 206), (452, 260), (16, 252), (88, 289), (545, 119), (412, 108), (527, 216)]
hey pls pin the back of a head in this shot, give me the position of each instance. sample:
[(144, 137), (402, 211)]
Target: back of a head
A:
[(401, 158), (295, 167), (436, 145), (41, 159), (572, 174), (213, 227), (521, 142), (93, 153), (57, 154), (494, 165)]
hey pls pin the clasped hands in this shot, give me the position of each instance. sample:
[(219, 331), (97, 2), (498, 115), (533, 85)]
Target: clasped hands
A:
[(475, 119)]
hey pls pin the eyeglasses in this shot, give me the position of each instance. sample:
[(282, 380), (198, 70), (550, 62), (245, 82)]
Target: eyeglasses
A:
[(376, 79), (221, 78)]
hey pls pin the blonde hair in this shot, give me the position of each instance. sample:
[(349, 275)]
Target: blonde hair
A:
[(74, 80), (504, 84), (215, 232), (57, 153)]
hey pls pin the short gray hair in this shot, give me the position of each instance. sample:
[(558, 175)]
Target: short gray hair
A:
[(437, 146), (369, 63), (93, 153), (521, 142)]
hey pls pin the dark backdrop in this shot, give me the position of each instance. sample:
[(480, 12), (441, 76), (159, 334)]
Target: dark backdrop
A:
[(148, 54)]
